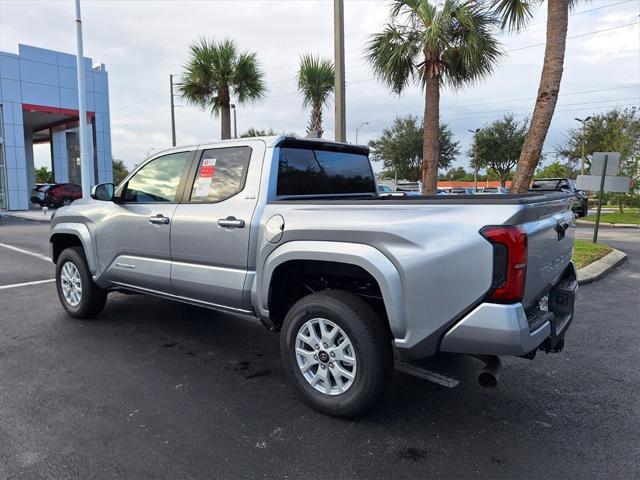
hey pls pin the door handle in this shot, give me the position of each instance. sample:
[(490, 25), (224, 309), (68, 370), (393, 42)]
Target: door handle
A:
[(230, 222), (159, 219)]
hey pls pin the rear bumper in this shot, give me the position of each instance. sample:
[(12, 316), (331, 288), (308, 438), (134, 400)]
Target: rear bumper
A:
[(496, 329)]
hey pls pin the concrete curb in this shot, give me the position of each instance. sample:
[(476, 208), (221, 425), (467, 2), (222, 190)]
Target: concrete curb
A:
[(32, 216), (600, 268), (604, 224)]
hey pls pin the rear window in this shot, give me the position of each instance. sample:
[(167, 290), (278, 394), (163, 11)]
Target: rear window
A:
[(323, 172), (546, 184)]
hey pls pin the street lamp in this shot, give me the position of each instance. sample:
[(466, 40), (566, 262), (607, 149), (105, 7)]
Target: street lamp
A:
[(235, 124), (475, 159), (582, 159), (358, 128)]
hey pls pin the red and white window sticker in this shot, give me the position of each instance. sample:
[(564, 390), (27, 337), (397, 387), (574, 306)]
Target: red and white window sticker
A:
[(208, 168), (205, 177)]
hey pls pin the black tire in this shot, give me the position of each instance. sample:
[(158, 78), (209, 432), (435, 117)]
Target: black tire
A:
[(371, 341), (92, 297)]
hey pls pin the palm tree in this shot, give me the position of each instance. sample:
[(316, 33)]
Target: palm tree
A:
[(315, 83), (215, 72), (515, 15), (434, 45)]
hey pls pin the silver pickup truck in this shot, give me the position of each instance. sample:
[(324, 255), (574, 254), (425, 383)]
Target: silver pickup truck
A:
[(292, 231)]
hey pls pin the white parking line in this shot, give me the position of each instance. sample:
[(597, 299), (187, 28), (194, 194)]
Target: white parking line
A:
[(26, 252), (16, 285)]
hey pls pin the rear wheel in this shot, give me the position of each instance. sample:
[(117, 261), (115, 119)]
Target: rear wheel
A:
[(337, 352), (78, 293)]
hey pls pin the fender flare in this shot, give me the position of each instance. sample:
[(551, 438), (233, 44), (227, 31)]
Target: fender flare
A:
[(82, 232), (364, 256)]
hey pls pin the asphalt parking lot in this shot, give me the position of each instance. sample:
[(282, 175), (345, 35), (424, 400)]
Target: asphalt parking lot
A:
[(154, 389)]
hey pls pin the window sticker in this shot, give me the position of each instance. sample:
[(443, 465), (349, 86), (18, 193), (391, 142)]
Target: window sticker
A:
[(208, 168), (202, 186)]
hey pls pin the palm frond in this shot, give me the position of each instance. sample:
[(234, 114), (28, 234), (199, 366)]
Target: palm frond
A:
[(473, 50), (393, 56), (247, 83), (315, 80), (514, 14)]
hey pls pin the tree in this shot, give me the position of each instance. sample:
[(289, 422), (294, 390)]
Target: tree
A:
[(44, 175), (515, 15), (449, 43), (458, 174), (120, 171), (497, 147), (215, 72), (617, 130), (555, 170), (256, 132), (316, 84), (400, 148)]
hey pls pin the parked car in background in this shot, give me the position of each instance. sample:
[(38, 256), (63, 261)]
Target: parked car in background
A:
[(462, 191), (38, 193), (580, 205), (59, 195), (384, 189), (494, 191), (293, 231)]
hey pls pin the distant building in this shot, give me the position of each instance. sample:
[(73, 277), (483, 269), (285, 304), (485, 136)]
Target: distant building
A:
[(39, 104)]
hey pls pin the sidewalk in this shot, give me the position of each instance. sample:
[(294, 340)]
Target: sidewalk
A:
[(605, 224), (33, 215)]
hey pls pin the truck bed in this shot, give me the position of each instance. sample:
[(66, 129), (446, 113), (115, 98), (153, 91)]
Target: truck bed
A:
[(490, 199)]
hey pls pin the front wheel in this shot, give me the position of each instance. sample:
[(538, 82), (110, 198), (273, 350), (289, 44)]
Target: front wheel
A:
[(337, 352), (78, 293)]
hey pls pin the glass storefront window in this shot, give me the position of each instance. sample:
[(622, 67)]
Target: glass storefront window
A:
[(3, 170)]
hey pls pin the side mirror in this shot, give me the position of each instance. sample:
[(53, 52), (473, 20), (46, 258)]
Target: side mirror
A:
[(103, 191)]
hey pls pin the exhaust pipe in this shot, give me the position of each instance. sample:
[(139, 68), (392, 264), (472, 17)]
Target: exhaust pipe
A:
[(488, 376)]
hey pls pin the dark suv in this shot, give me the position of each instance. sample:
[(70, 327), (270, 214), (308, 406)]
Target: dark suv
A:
[(580, 205)]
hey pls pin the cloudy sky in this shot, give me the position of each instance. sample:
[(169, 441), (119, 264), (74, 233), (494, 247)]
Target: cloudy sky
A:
[(142, 42)]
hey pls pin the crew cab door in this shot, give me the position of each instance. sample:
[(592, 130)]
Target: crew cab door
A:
[(134, 236), (211, 227)]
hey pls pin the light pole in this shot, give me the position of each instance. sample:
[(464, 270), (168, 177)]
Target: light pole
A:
[(173, 112), (475, 159), (235, 124), (582, 159), (358, 128), (338, 45), (86, 169)]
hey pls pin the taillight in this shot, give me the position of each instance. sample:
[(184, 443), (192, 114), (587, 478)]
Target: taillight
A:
[(509, 262)]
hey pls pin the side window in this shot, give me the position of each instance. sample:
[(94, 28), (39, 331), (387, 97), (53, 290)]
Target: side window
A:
[(221, 174), (158, 180)]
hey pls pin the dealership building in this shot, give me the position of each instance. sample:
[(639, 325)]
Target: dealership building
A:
[(39, 105)]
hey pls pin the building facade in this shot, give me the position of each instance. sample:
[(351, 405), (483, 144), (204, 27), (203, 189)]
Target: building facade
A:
[(39, 104)]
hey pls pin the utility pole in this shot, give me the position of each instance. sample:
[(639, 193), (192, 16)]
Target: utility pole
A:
[(173, 113), (338, 45), (86, 169), (475, 159), (582, 158)]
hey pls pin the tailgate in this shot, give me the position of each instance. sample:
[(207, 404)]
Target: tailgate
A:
[(550, 231)]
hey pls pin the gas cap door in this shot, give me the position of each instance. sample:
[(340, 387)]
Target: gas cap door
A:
[(274, 228)]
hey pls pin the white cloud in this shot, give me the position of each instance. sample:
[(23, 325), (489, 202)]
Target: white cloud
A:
[(142, 42)]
